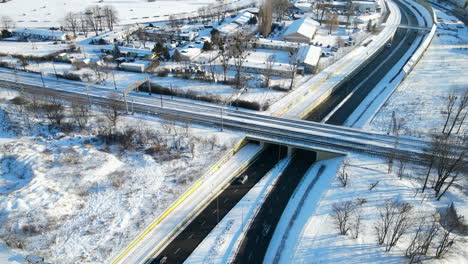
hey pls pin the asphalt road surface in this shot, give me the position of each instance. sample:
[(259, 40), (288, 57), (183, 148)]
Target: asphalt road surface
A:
[(389, 55), (255, 243), (185, 243)]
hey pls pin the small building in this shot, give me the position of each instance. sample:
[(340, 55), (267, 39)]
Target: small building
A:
[(189, 54), (302, 30), (40, 34), (309, 57), (236, 24), (134, 66), (271, 44)]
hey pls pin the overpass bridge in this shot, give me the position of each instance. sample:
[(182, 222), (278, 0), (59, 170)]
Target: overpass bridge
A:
[(257, 127)]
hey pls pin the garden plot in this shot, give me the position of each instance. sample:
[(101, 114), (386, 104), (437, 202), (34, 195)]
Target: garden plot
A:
[(72, 198), (31, 48)]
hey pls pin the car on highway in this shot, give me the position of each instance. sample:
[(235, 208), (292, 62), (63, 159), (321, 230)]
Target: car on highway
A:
[(163, 260), (242, 179)]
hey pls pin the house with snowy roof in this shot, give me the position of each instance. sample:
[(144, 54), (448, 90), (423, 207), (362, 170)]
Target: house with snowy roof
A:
[(40, 34), (302, 30)]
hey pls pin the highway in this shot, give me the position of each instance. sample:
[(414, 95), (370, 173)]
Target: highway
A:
[(255, 243), (193, 234), (351, 93)]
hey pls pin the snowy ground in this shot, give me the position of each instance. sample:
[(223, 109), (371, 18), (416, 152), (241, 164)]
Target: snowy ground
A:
[(320, 241), (30, 48), (47, 13), (70, 198)]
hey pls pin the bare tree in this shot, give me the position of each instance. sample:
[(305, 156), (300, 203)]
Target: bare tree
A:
[(293, 64), (71, 22), (343, 175), (450, 103), (341, 213), (270, 63), (238, 46), (356, 223), (80, 113), (54, 111), (322, 10), (394, 221), (94, 17), (143, 37), (224, 54), (113, 110), (445, 243), (212, 66), (458, 112), (348, 12), (449, 159), (332, 21), (110, 16), (280, 8), (7, 23), (423, 238), (83, 24), (401, 168)]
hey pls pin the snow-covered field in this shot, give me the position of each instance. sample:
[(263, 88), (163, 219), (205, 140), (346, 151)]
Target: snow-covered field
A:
[(320, 241), (30, 48), (47, 13), (73, 199)]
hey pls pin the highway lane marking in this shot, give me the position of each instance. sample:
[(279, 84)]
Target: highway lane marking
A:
[(189, 237), (235, 190), (203, 223), (177, 251), (225, 200), (214, 212)]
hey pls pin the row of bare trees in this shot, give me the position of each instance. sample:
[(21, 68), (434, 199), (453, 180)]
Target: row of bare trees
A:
[(94, 18), (395, 220), (447, 152), (6, 23)]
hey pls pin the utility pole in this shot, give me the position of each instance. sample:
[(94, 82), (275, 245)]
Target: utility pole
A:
[(55, 71), (161, 100), (149, 85), (113, 77), (42, 79), (222, 122)]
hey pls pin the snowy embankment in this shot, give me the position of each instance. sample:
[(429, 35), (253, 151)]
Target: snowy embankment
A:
[(222, 242), (69, 197)]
